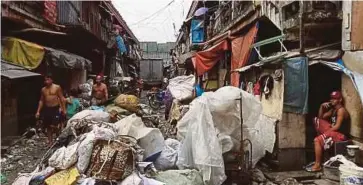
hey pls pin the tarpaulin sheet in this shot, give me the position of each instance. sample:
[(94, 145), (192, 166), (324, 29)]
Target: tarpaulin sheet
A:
[(296, 85), (15, 72), (205, 60), (197, 31), (63, 59), (241, 50), (21, 52)]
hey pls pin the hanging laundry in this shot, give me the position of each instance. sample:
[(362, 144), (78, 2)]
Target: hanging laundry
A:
[(121, 44)]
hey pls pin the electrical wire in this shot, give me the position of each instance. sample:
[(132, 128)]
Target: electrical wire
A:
[(157, 12)]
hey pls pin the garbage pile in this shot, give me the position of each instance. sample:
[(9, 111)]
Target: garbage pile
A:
[(119, 145), (85, 93)]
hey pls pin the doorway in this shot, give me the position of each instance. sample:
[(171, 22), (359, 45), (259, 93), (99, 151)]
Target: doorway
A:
[(322, 81)]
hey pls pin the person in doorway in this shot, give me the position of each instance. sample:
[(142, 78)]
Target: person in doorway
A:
[(99, 92), (51, 104), (73, 104), (331, 125)]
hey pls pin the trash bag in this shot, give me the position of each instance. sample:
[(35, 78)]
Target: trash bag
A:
[(181, 87), (112, 160), (23, 179), (93, 115), (179, 177), (118, 109), (64, 157), (150, 139), (133, 179), (65, 177), (168, 157), (39, 178), (128, 102)]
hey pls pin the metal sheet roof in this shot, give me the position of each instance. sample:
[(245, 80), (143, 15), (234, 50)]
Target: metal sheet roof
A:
[(14, 72)]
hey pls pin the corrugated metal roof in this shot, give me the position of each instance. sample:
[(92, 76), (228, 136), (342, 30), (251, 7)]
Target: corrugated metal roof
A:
[(13, 72)]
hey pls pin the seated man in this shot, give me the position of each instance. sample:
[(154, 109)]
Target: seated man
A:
[(332, 125)]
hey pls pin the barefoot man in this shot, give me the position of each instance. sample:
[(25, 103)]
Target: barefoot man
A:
[(50, 103), (99, 92)]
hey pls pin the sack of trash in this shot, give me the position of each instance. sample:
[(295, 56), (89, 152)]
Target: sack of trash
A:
[(168, 157), (150, 139), (94, 115), (64, 157), (112, 160), (128, 102), (119, 110)]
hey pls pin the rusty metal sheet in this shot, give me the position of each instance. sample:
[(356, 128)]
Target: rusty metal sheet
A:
[(69, 12), (357, 26)]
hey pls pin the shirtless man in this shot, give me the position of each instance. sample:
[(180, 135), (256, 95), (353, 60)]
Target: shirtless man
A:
[(50, 103), (99, 92)]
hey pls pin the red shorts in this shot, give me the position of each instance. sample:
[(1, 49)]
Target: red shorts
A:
[(325, 137)]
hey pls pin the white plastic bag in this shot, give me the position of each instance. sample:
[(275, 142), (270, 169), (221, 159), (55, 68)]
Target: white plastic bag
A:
[(168, 157), (94, 115), (133, 179), (181, 87), (64, 157), (180, 177), (150, 139), (85, 152)]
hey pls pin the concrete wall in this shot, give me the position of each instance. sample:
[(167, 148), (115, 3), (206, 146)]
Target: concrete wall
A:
[(353, 103)]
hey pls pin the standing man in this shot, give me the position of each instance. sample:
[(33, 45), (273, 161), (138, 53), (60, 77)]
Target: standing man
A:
[(50, 103), (99, 92), (332, 125)]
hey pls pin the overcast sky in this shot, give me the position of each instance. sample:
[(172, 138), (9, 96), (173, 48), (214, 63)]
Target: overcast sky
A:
[(153, 28)]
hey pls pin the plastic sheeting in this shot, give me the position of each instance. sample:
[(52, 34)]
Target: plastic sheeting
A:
[(212, 117), (241, 50), (296, 85), (21, 52), (181, 87), (67, 60)]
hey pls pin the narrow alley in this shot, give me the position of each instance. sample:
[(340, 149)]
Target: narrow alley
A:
[(181, 92)]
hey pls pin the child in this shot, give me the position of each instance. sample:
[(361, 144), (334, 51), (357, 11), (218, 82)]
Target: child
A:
[(73, 104)]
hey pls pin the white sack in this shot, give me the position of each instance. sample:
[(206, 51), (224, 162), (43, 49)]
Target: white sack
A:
[(64, 157), (150, 139), (212, 122), (179, 177), (132, 179), (168, 157), (181, 87), (94, 115), (148, 181)]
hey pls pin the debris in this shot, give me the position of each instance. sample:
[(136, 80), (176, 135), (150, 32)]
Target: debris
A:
[(258, 176), (180, 177), (3, 178)]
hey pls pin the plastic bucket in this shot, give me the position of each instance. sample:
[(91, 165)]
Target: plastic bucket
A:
[(351, 175)]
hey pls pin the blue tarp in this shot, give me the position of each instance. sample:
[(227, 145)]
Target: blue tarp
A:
[(197, 31), (121, 44), (296, 85)]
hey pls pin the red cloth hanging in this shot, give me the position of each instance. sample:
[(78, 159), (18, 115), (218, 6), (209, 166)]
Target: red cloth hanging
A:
[(241, 50), (205, 60)]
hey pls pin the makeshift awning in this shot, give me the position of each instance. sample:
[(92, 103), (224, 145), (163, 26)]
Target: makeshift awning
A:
[(205, 60), (15, 72), (21, 52), (241, 50), (67, 60), (184, 57)]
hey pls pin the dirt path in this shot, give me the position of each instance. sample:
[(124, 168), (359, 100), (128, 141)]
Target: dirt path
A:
[(22, 157)]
